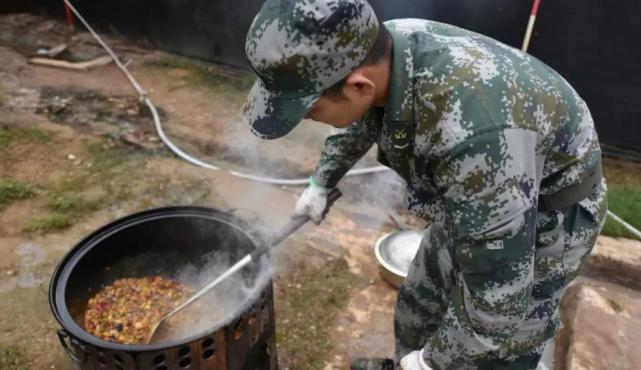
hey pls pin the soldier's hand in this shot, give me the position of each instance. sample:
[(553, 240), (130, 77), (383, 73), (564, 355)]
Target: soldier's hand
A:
[(313, 202), (414, 361)]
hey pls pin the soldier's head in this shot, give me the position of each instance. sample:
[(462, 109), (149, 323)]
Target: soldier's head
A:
[(315, 59)]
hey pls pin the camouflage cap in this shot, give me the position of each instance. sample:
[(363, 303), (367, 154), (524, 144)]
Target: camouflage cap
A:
[(298, 49)]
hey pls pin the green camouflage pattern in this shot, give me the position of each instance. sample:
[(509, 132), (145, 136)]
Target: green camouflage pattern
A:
[(298, 49), (475, 306), (478, 130)]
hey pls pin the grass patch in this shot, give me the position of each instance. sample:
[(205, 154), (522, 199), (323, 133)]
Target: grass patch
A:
[(10, 134), (213, 77), (13, 358), (53, 222), (624, 195), (11, 191), (625, 201), (93, 187), (2, 94), (307, 307)]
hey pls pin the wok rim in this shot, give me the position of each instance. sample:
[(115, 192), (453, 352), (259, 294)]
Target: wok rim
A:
[(65, 267)]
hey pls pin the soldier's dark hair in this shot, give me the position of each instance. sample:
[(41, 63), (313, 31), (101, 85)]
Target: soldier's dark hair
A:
[(375, 55)]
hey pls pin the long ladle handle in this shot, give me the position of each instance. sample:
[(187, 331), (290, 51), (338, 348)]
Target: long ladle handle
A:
[(294, 224)]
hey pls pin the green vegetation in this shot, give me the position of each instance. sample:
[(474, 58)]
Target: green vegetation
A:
[(625, 201), (306, 308), (90, 189), (10, 134), (624, 196), (213, 77), (52, 222), (13, 357), (87, 187), (11, 191)]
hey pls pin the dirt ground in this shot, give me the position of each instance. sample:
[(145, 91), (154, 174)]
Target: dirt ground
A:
[(83, 152), (78, 151)]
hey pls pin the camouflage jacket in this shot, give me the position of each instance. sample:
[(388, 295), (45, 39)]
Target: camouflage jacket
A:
[(478, 130)]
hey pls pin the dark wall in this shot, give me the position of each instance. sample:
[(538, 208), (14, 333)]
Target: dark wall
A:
[(208, 29), (594, 44)]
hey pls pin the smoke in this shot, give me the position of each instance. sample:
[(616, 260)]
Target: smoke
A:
[(292, 156), (374, 197), (224, 303)]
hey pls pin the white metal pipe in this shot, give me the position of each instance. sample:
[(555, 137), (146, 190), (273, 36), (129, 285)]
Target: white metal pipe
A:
[(623, 223)]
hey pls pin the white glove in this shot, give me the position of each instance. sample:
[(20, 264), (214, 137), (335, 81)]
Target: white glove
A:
[(414, 361), (312, 202)]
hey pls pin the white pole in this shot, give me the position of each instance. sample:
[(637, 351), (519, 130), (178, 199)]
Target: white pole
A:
[(530, 25)]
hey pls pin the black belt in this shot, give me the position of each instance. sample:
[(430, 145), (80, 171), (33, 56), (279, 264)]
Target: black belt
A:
[(574, 193)]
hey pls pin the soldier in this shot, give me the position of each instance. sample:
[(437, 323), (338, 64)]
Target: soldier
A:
[(499, 154)]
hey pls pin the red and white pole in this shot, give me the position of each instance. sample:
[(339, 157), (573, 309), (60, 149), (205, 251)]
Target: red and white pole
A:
[(69, 16), (530, 25)]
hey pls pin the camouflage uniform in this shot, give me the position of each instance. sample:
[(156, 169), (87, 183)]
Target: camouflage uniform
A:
[(478, 130)]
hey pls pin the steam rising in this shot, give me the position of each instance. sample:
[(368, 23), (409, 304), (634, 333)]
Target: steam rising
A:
[(225, 302)]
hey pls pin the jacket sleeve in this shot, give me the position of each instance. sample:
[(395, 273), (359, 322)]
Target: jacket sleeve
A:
[(344, 149), (489, 185)]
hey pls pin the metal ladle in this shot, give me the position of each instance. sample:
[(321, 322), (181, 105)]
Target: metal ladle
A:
[(294, 224)]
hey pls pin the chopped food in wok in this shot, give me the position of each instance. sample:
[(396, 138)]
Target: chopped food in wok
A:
[(125, 310)]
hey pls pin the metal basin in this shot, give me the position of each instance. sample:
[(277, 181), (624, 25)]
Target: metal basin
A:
[(395, 252)]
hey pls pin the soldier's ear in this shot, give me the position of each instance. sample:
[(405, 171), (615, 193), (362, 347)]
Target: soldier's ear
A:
[(359, 87)]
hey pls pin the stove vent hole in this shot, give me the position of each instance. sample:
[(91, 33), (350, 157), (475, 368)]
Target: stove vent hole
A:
[(184, 351), (207, 343), (185, 363), (208, 354), (118, 359), (158, 360), (101, 361)]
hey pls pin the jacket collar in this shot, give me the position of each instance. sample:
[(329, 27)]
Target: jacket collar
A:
[(400, 103), (399, 110)]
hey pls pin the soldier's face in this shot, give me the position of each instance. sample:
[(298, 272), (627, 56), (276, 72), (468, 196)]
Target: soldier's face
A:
[(356, 98)]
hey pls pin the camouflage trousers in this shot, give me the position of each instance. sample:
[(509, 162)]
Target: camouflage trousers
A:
[(564, 238)]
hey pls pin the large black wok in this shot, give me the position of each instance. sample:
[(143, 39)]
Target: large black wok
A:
[(162, 242)]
